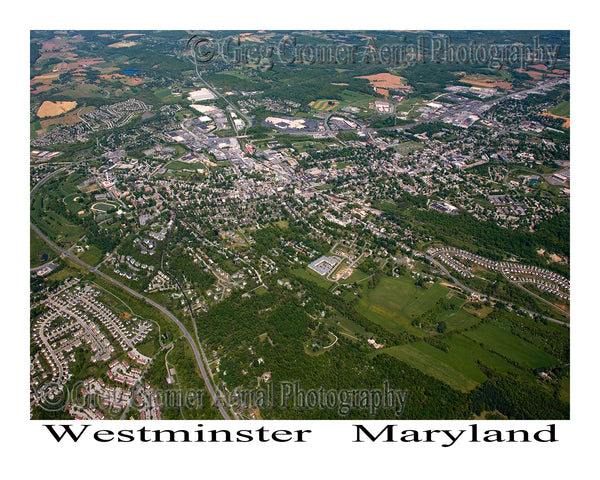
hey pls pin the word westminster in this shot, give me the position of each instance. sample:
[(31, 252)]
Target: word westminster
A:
[(388, 434)]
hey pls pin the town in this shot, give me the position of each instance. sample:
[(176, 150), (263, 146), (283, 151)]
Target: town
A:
[(322, 221)]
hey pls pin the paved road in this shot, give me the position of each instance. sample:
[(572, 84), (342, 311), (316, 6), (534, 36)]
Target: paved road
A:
[(470, 290), (186, 334), (543, 300)]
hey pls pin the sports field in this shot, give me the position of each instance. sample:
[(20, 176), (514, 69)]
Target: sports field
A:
[(324, 105), (101, 207)]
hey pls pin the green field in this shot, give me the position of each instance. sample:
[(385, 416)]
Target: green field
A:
[(39, 251), (395, 302), (72, 202), (563, 109), (408, 147), (355, 99), (424, 357), (510, 346), (459, 367), (92, 256), (304, 273), (45, 215), (346, 326), (458, 319), (357, 276), (176, 165), (162, 92), (147, 348), (59, 229), (301, 147)]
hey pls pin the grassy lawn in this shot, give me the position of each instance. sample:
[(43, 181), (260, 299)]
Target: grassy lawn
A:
[(506, 344), (395, 302), (72, 203), (59, 229), (146, 348), (92, 256), (176, 165), (303, 273), (162, 92), (71, 270), (301, 147), (357, 276), (355, 99), (408, 147)]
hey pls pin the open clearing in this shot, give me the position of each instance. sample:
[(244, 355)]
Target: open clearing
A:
[(395, 302), (486, 81), (39, 251), (387, 80), (459, 367), (53, 109), (123, 44), (510, 346), (423, 357)]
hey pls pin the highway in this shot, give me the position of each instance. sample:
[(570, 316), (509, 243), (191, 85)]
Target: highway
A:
[(186, 334)]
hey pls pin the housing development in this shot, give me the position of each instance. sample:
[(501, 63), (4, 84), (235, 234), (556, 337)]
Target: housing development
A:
[(205, 234)]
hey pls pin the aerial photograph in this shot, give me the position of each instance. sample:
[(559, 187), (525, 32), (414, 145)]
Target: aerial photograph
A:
[(299, 225)]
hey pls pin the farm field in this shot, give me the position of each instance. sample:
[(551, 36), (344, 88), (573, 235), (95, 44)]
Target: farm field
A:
[(459, 367), (72, 118), (395, 302), (486, 81), (458, 319), (510, 346), (386, 81), (563, 109), (53, 109)]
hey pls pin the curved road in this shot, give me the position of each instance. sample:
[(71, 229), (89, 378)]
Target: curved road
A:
[(470, 290), (186, 334)]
